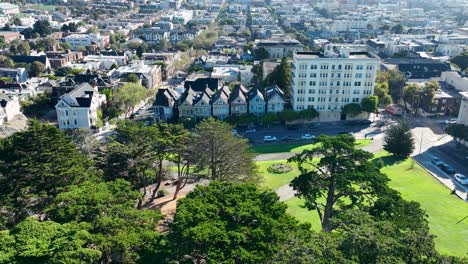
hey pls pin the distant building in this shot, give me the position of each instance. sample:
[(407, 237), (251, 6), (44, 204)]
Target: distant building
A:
[(9, 107), (83, 40), (9, 9), (9, 36), (150, 75), (279, 48), (18, 75), (417, 68), (463, 112)]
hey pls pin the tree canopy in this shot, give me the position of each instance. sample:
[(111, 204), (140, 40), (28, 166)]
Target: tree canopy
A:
[(343, 172), (225, 156), (229, 223), (35, 166), (399, 140)]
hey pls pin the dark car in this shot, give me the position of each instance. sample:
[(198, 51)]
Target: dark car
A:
[(447, 169), (286, 138), (292, 127)]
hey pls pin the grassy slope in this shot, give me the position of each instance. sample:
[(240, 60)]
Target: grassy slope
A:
[(444, 210)]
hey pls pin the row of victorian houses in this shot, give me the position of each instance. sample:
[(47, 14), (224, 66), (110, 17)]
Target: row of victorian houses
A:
[(201, 102)]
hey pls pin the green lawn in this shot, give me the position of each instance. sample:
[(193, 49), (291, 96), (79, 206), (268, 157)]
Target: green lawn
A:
[(274, 181), (296, 147), (50, 8), (443, 209)]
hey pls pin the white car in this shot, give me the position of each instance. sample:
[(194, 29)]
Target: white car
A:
[(269, 139), (251, 130), (461, 178), (308, 136), (234, 132)]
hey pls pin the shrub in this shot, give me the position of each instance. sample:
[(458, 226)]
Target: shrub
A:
[(279, 168)]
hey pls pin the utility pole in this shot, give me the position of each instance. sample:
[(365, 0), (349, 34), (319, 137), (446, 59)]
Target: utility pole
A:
[(420, 144)]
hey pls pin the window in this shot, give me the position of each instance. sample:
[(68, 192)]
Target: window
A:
[(355, 100), (312, 83), (333, 67), (313, 67), (66, 112), (313, 75), (339, 68), (357, 83), (358, 75)]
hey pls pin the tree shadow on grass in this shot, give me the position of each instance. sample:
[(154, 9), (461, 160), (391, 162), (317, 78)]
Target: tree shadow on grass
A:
[(388, 160)]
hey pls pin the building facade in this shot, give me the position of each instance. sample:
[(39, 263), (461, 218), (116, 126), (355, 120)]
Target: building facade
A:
[(78, 108), (328, 81)]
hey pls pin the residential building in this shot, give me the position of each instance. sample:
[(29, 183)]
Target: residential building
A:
[(78, 108), (9, 36), (198, 83), (186, 104), (58, 59), (42, 58), (151, 35), (220, 103), (256, 102), (275, 99), (463, 112), (202, 104), (226, 73), (417, 68), (150, 75), (18, 75), (330, 80), (83, 40), (164, 104), (9, 9), (279, 48), (238, 100), (9, 107)]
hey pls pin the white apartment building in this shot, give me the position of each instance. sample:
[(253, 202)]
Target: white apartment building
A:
[(330, 80), (78, 108), (9, 9), (83, 40)]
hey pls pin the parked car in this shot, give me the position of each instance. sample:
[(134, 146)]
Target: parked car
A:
[(451, 121), (251, 130), (448, 169), (269, 138), (461, 178), (234, 132), (308, 136), (286, 138), (436, 161), (292, 127)]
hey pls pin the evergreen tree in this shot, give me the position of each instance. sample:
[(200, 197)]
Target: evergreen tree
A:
[(399, 140)]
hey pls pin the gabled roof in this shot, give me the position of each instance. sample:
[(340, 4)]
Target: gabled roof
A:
[(204, 96), (239, 91), (200, 84), (81, 96), (188, 96), (272, 91), (166, 97), (223, 94), (254, 92)]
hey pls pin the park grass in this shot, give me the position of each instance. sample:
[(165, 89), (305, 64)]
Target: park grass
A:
[(296, 147), (445, 211), (49, 8), (274, 181)]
